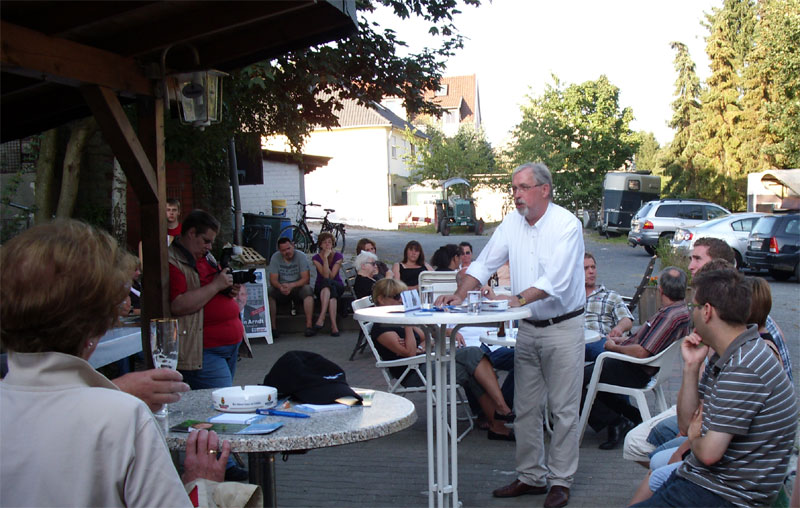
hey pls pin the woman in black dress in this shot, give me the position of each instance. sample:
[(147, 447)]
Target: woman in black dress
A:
[(412, 265)]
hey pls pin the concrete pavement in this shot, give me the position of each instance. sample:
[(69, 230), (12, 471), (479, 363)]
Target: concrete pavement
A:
[(392, 471)]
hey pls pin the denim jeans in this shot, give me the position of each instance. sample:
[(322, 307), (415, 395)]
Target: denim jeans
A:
[(502, 358), (219, 366), (594, 349), (677, 491), (664, 431)]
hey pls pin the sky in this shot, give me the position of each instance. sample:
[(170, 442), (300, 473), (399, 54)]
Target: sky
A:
[(514, 46)]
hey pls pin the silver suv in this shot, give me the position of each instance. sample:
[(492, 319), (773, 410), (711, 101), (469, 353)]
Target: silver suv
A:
[(660, 219)]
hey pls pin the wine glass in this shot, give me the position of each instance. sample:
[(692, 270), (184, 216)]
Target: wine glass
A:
[(164, 346)]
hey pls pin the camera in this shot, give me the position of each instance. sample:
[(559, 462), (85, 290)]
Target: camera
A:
[(239, 276), (243, 276)]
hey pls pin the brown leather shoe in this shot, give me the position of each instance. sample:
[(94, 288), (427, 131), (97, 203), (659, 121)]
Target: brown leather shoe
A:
[(557, 497), (517, 488)]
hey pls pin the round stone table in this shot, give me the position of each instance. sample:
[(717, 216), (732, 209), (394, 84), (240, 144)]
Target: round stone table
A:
[(387, 414)]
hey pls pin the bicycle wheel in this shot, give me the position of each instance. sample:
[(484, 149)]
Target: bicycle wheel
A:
[(301, 240), (338, 238)]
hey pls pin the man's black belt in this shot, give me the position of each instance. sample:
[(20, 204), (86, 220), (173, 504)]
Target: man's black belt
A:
[(547, 322)]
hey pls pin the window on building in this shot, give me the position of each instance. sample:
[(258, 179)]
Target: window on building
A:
[(442, 91), (450, 116)]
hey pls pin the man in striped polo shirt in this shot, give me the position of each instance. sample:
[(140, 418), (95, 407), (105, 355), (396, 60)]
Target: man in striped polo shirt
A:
[(741, 416)]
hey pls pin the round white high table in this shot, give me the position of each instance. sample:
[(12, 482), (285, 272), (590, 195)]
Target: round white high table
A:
[(442, 443)]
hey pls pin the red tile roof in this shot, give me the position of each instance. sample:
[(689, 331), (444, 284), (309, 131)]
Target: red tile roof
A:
[(458, 88)]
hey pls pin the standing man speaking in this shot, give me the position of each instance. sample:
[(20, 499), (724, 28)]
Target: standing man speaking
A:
[(544, 245)]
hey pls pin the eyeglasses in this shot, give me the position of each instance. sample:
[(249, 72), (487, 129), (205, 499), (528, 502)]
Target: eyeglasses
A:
[(524, 187), (371, 263), (395, 297)]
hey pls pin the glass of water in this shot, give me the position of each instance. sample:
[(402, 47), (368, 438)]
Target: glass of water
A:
[(473, 302), (164, 346), (426, 297)]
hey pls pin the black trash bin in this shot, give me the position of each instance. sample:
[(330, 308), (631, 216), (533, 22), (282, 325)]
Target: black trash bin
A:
[(254, 224), (259, 237)]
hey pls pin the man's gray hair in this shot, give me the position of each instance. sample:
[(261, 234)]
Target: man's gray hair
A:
[(541, 174), (672, 282), (364, 257)]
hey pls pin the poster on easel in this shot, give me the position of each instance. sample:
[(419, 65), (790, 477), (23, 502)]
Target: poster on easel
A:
[(253, 303)]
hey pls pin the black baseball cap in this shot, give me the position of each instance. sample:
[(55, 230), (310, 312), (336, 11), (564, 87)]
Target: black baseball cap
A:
[(309, 377)]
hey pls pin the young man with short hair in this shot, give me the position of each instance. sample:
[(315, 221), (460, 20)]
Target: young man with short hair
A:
[(173, 218)]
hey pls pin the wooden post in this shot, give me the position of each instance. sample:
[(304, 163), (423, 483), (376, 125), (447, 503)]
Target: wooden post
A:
[(143, 163), (153, 214)]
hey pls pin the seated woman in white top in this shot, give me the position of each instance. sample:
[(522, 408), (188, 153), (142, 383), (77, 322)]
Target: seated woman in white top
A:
[(71, 437)]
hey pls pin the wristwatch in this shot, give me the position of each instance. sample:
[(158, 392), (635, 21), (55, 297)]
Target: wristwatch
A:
[(521, 299)]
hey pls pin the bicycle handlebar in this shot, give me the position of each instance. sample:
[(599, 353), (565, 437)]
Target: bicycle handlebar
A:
[(307, 204)]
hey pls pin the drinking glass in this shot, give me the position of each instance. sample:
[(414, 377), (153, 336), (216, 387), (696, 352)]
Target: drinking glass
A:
[(164, 346), (426, 296), (473, 302)]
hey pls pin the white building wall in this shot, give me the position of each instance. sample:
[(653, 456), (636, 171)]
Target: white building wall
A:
[(355, 181), (281, 181)]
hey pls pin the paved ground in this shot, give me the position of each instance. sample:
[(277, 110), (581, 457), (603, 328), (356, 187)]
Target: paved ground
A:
[(392, 471)]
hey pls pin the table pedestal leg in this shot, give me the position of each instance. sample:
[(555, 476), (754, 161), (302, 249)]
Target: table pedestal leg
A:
[(442, 420), (262, 472)]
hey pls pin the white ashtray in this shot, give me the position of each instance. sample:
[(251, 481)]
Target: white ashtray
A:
[(494, 305), (244, 399)]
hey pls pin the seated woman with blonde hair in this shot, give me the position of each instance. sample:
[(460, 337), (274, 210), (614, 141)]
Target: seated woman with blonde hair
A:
[(473, 369), (70, 437)]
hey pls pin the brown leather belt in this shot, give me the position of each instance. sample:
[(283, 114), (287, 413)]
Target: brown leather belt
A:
[(547, 322)]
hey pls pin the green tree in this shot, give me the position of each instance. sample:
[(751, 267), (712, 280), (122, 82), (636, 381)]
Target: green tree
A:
[(302, 90), (580, 132), (467, 155), (771, 116), (719, 133), (646, 154), (681, 176)]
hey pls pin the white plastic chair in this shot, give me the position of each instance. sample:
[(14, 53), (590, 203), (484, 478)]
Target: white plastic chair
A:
[(444, 283), (664, 360), (411, 364)]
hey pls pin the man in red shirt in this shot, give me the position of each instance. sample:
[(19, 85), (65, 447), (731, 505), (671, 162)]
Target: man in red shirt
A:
[(173, 219), (201, 296)]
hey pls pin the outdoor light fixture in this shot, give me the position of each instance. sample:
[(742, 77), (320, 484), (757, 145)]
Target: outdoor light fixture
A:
[(199, 97), (197, 93)]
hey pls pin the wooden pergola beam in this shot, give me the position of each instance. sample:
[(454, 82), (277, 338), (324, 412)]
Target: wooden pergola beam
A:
[(124, 141), (31, 53)]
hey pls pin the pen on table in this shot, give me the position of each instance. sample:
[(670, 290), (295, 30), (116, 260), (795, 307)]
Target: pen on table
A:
[(275, 412)]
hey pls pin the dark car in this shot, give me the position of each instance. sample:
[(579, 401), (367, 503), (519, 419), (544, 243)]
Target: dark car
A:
[(774, 245)]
